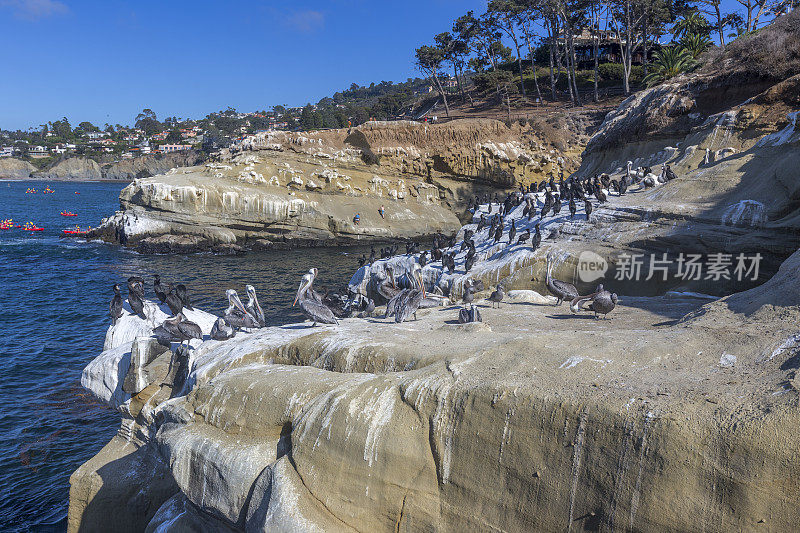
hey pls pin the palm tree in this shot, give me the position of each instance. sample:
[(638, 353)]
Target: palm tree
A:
[(668, 63), (691, 23), (695, 44)]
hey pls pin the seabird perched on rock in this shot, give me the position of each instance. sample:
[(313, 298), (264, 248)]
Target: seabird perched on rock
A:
[(469, 294), (115, 308), (253, 306), (497, 296), (180, 290), (313, 309), (135, 297), (222, 330), (236, 315), (602, 302), (560, 289), (173, 301), (158, 289), (512, 231), (587, 205), (188, 329), (409, 300)]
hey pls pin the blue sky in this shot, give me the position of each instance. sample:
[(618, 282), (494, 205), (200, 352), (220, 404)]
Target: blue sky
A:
[(104, 61)]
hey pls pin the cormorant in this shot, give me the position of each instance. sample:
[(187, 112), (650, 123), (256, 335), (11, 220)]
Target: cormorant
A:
[(158, 289), (180, 291), (115, 308)]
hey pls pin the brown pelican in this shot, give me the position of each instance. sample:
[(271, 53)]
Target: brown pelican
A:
[(222, 330), (312, 308), (188, 329), (253, 307), (602, 301), (173, 301), (388, 288), (115, 307), (560, 289), (497, 296), (236, 315), (135, 297), (410, 299), (168, 331), (159, 289), (180, 290)]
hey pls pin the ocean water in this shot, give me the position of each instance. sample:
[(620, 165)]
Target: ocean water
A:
[(54, 296)]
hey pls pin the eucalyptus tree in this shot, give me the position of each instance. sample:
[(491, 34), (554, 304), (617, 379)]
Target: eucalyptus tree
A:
[(528, 22), (506, 16), (429, 60), (627, 20)]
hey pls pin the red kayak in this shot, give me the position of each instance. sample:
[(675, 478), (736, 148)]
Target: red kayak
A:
[(65, 214), (33, 229)]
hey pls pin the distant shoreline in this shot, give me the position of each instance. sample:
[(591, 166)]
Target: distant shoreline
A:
[(66, 180)]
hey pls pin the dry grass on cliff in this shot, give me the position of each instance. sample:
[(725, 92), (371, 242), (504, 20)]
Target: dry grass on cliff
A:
[(773, 52)]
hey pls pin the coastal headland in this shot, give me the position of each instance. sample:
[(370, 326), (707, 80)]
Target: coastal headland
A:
[(677, 412)]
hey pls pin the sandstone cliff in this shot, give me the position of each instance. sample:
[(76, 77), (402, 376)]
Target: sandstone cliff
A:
[(306, 188)]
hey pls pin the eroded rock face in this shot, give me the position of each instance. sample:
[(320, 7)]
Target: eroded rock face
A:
[(12, 168), (307, 187), (523, 425)]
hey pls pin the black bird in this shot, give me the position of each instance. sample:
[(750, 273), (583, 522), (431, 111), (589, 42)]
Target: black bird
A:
[(115, 308), (512, 231), (623, 186), (498, 233), (588, 206), (600, 195), (174, 303), (524, 237), (423, 258), (545, 209), (572, 208), (136, 284), (180, 290), (481, 222), (135, 299), (469, 262), (556, 205), (537, 238), (159, 289)]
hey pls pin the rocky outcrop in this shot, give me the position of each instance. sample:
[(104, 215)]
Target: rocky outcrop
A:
[(73, 168), (656, 424), (12, 168), (306, 188), (84, 168), (146, 166)]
